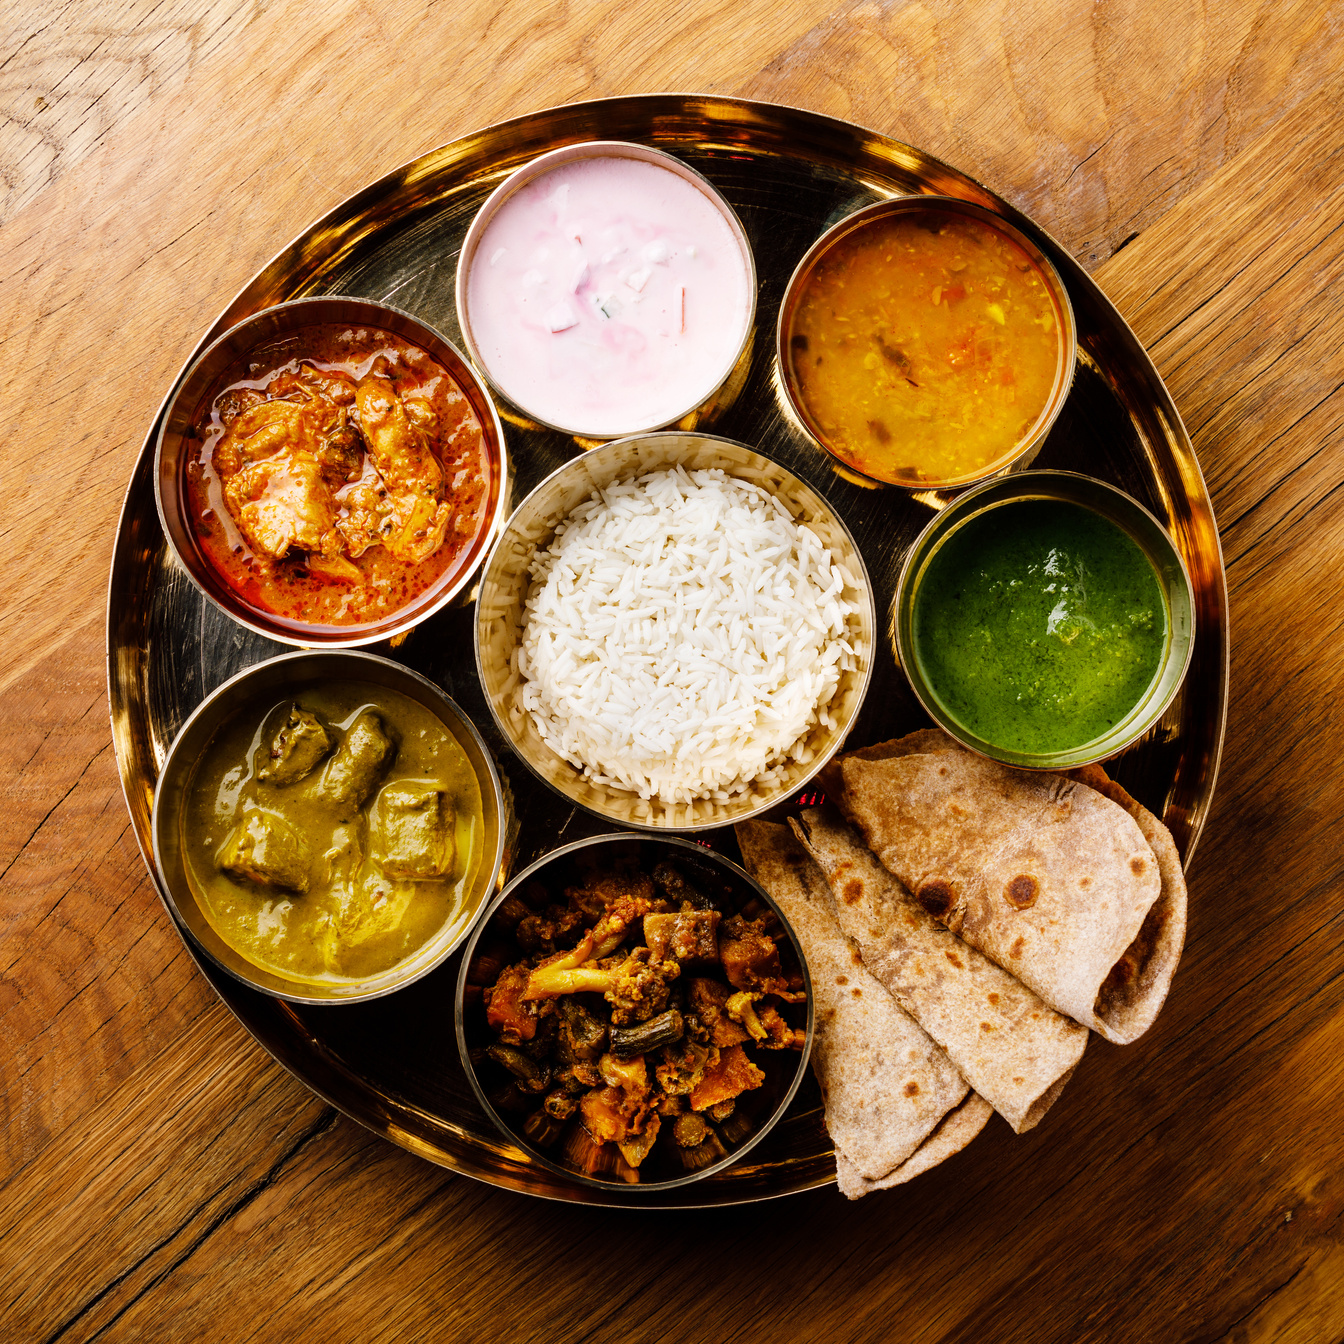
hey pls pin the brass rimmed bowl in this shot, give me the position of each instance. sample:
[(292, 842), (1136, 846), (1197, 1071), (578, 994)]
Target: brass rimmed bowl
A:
[(1014, 455), (563, 1148), (707, 402), (251, 692), (272, 331), (1136, 523), (504, 588)]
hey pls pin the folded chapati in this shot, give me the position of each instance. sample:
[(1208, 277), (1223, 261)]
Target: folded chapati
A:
[(1043, 874), (957, 1128), (1012, 1048), (887, 1086)]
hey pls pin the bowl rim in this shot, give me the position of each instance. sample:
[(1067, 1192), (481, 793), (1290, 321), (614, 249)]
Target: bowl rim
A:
[(453, 581), (539, 166), (1068, 486), (910, 203), (513, 1136), (861, 576), (492, 798)]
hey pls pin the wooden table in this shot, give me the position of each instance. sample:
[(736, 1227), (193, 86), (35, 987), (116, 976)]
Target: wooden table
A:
[(162, 1178)]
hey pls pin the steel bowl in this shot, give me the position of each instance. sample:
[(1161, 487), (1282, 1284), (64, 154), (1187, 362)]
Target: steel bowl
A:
[(665, 1168), (708, 404), (262, 685), (1015, 457), (503, 590), (272, 329), (1138, 524)]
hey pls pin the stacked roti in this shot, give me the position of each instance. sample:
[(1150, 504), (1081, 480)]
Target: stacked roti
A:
[(895, 1103), (966, 925), (1012, 1048), (1051, 878)]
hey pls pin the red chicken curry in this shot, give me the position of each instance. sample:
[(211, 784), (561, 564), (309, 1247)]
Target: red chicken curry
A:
[(338, 478)]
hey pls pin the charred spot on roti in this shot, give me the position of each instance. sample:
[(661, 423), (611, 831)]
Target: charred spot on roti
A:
[(1137, 866), (985, 1026), (1022, 891), (1084, 882), (912, 1088), (857, 992), (842, 979), (853, 892), (936, 896), (1018, 945), (856, 957), (993, 999), (1124, 977), (955, 960), (1019, 1081)]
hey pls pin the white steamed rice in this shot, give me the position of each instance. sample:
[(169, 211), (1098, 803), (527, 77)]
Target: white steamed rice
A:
[(682, 633)]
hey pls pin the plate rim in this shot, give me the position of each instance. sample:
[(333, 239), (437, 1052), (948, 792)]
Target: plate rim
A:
[(1194, 488)]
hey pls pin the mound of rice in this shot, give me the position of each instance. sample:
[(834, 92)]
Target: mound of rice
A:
[(682, 633)]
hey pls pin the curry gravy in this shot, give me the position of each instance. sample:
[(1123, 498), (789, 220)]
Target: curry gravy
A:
[(328, 901)]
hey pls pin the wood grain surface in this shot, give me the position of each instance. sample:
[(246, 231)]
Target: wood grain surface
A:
[(162, 1179)]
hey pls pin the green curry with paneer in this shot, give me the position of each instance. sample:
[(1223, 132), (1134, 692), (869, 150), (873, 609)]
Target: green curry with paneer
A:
[(633, 1014), (333, 835)]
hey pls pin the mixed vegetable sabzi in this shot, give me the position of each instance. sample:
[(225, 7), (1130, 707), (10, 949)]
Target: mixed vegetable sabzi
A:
[(631, 1018)]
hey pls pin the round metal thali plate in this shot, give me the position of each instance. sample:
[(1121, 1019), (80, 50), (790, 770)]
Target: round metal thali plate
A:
[(392, 1064)]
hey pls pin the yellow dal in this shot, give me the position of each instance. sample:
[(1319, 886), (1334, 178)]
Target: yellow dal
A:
[(925, 347)]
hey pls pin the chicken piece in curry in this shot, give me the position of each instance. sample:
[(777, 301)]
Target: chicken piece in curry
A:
[(627, 1015), (336, 485)]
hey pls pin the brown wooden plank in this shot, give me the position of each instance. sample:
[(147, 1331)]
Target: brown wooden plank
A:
[(127, 1193), (94, 981)]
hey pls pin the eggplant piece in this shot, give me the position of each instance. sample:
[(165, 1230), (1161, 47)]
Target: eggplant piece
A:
[(687, 936), (582, 1035), (359, 763), (530, 1076), (414, 836), (542, 1129), (264, 848), (511, 913), (298, 745), (664, 1029), (673, 887)]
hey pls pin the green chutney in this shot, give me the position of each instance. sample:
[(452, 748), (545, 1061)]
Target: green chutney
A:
[(1039, 625)]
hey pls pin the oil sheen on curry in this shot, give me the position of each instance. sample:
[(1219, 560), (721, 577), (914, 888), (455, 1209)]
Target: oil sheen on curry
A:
[(333, 835), (338, 477), (924, 347)]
